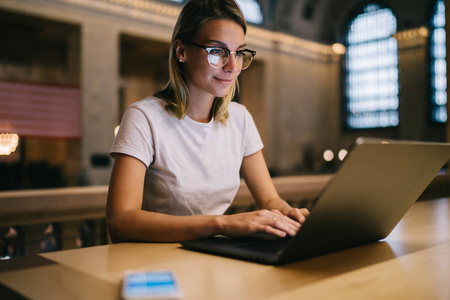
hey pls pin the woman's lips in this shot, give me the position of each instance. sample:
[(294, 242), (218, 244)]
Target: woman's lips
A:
[(224, 81)]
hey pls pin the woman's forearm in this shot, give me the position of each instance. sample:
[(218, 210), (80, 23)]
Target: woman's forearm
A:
[(155, 227), (140, 225), (277, 204)]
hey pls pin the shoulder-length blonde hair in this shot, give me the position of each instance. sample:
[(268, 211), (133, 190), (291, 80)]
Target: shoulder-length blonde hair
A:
[(193, 16)]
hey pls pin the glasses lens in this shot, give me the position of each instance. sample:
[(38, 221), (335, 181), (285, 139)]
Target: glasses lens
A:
[(214, 60), (217, 57), (247, 58)]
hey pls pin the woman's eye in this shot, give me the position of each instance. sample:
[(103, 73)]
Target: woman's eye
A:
[(216, 51)]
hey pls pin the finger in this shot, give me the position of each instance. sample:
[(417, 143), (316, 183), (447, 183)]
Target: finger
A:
[(299, 214), (294, 224), (289, 221), (276, 223), (288, 230), (291, 224), (273, 231), (278, 220), (276, 211), (285, 224)]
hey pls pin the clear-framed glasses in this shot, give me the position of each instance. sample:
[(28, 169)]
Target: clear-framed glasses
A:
[(218, 56)]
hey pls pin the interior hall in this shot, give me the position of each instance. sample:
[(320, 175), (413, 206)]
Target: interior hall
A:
[(325, 73)]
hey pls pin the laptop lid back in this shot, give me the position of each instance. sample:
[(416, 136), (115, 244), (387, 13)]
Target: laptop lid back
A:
[(374, 187)]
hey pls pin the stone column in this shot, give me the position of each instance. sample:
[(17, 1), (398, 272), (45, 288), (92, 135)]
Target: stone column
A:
[(413, 78), (99, 65)]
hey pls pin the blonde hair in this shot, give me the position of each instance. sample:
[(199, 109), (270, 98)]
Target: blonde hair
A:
[(193, 16)]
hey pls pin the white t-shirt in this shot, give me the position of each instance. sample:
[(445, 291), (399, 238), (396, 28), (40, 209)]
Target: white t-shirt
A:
[(192, 168)]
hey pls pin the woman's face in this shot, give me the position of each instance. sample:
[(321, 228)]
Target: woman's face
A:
[(202, 79)]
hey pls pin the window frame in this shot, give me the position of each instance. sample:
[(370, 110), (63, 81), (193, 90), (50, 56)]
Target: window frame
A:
[(345, 113), (431, 59)]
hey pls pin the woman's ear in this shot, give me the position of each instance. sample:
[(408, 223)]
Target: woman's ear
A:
[(179, 51)]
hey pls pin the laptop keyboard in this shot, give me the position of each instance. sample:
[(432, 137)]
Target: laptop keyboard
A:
[(266, 246)]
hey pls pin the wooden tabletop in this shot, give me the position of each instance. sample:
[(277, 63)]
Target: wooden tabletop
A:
[(412, 263)]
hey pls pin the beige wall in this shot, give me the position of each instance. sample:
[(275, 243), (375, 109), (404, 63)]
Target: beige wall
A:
[(297, 103), (308, 103)]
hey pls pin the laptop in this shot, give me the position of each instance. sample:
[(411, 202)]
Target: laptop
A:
[(375, 185)]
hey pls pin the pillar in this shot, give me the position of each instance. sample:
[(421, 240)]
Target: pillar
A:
[(99, 65)]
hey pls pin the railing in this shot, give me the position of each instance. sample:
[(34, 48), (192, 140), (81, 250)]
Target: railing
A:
[(52, 219), (36, 221), (299, 191)]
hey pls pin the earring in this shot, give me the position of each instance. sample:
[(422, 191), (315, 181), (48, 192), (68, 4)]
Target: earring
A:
[(181, 60)]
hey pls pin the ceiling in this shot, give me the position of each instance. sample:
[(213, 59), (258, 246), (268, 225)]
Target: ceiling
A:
[(324, 21)]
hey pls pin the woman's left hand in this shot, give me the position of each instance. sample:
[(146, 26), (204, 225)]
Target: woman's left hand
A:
[(297, 214)]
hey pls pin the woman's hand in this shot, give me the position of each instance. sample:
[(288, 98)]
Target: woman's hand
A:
[(260, 222), (298, 214), (256, 175)]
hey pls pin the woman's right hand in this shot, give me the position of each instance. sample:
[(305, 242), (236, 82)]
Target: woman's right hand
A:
[(261, 222)]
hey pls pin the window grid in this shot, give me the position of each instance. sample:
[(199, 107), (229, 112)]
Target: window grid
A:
[(438, 64), (372, 70)]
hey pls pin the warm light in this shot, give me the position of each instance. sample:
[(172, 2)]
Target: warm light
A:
[(8, 143), (328, 155), (423, 32), (411, 34), (342, 154), (116, 130), (338, 48)]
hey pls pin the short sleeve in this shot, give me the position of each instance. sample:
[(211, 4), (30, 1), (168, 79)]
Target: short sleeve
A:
[(134, 137), (253, 142)]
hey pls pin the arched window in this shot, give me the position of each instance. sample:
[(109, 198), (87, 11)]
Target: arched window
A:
[(371, 66), (251, 11), (438, 64), (250, 8)]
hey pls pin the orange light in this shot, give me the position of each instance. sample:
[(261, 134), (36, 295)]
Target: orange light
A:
[(8, 143)]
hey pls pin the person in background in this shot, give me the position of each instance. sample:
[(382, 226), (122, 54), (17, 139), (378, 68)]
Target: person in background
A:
[(178, 154)]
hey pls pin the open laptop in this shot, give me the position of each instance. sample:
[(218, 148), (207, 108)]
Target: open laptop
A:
[(374, 187)]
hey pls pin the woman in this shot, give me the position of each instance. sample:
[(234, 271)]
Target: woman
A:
[(178, 154)]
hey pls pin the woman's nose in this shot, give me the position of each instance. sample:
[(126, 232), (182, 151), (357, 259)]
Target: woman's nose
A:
[(232, 64)]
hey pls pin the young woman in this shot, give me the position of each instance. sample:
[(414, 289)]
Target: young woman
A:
[(179, 153)]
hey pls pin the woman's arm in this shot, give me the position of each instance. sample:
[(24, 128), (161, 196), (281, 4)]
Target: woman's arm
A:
[(128, 222), (256, 175)]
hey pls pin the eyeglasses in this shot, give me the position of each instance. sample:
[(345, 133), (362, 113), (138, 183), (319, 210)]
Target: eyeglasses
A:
[(218, 56)]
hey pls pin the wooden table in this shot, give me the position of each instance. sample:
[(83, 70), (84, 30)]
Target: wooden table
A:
[(412, 263)]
